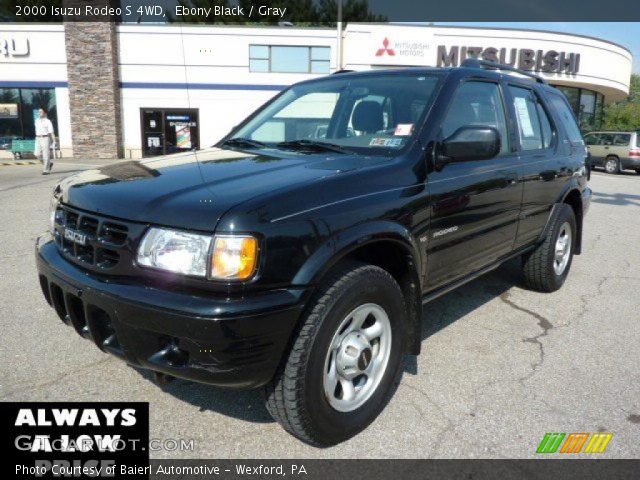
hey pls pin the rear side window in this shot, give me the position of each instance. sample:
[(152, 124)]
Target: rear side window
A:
[(534, 127), (606, 139), (621, 140), (566, 116)]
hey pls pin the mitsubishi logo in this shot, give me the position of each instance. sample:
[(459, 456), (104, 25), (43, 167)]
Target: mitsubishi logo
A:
[(385, 44)]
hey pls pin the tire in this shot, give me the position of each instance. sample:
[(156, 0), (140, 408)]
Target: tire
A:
[(297, 397), (612, 165), (542, 269), (638, 171)]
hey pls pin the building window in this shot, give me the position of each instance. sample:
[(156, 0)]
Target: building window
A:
[(19, 109), (288, 59), (587, 105)]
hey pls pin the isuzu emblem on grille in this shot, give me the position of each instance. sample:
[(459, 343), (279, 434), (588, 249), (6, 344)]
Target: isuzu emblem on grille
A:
[(75, 237)]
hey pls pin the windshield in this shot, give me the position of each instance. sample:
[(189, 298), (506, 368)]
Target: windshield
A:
[(371, 114)]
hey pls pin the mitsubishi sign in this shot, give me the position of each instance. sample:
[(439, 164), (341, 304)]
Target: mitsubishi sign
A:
[(550, 61), (398, 47)]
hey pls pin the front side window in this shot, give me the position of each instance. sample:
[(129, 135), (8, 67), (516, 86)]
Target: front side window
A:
[(289, 59), (592, 139), (375, 114), (480, 104), (534, 128)]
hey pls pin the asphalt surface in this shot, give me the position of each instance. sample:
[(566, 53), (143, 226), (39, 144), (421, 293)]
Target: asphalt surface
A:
[(500, 367)]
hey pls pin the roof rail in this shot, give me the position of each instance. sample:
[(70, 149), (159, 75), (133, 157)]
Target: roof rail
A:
[(344, 70), (477, 63)]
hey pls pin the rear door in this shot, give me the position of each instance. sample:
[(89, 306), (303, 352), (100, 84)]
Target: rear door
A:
[(542, 155), (620, 147), (605, 140), (474, 204)]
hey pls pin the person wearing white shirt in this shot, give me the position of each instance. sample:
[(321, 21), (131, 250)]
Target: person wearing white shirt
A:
[(44, 140)]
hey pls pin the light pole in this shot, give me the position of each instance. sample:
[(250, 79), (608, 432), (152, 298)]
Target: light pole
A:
[(339, 34)]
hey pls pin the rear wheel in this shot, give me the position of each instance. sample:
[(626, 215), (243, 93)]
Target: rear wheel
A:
[(547, 267), (612, 165), (638, 171), (345, 360)]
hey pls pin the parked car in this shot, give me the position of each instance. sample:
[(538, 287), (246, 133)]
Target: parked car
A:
[(5, 142), (614, 151), (301, 265)]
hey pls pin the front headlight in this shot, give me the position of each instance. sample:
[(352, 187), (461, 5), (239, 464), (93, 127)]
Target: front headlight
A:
[(232, 257), (175, 251)]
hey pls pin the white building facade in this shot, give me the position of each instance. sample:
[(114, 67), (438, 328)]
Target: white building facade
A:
[(184, 87)]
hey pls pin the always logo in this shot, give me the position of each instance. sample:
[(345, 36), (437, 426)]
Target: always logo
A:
[(75, 439)]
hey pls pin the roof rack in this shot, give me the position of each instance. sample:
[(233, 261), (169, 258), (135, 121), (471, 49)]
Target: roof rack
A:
[(477, 63), (344, 70)]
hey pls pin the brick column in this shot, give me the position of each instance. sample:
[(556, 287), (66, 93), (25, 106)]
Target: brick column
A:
[(94, 89)]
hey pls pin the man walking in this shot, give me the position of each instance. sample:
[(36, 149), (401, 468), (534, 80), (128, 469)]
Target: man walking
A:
[(44, 140)]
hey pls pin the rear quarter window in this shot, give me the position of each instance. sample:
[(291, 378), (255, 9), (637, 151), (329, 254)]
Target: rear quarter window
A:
[(567, 118)]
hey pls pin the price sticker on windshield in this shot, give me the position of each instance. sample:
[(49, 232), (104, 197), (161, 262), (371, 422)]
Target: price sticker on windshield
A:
[(403, 129)]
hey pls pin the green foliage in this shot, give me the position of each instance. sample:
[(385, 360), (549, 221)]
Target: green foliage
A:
[(625, 115)]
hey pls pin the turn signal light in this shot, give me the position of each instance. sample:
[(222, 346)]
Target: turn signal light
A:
[(234, 257)]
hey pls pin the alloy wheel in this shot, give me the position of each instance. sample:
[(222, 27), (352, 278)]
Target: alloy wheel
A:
[(357, 358), (563, 249)]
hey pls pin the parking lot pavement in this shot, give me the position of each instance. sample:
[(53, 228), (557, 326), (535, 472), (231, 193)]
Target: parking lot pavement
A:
[(500, 367)]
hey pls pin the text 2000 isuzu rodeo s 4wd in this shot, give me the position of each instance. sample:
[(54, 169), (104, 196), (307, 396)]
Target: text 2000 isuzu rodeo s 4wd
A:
[(297, 254)]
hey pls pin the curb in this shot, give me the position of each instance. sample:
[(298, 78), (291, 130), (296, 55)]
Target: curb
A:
[(8, 164)]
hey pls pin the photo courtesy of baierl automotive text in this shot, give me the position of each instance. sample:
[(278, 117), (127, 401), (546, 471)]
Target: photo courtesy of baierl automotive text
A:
[(271, 238)]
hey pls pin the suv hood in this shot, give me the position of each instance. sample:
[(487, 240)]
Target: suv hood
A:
[(193, 190)]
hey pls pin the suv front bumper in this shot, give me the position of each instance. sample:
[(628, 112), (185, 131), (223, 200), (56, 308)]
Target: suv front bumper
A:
[(234, 343)]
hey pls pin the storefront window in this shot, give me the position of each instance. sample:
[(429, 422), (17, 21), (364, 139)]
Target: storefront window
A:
[(169, 131), (587, 105), (19, 109)]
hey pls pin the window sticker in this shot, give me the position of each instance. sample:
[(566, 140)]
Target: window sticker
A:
[(524, 119), (403, 129), (385, 142)]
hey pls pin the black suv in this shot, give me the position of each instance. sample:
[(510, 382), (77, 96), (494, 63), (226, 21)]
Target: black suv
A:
[(298, 253)]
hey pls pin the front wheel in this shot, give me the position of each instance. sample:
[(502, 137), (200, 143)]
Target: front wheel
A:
[(546, 268), (638, 171), (345, 360)]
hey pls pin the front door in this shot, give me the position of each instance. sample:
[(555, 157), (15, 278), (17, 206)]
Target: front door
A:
[(475, 204)]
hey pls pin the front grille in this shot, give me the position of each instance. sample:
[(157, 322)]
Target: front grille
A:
[(95, 242)]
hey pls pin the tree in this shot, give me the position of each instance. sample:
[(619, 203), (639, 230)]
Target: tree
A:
[(625, 115)]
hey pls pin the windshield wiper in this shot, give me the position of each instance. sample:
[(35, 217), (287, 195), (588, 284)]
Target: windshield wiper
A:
[(311, 145), (243, 142)]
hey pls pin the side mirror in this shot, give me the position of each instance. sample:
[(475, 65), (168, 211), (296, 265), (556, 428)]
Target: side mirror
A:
[(468, 143)]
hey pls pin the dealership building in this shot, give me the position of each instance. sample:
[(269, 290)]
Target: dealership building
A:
[(133, 91)]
